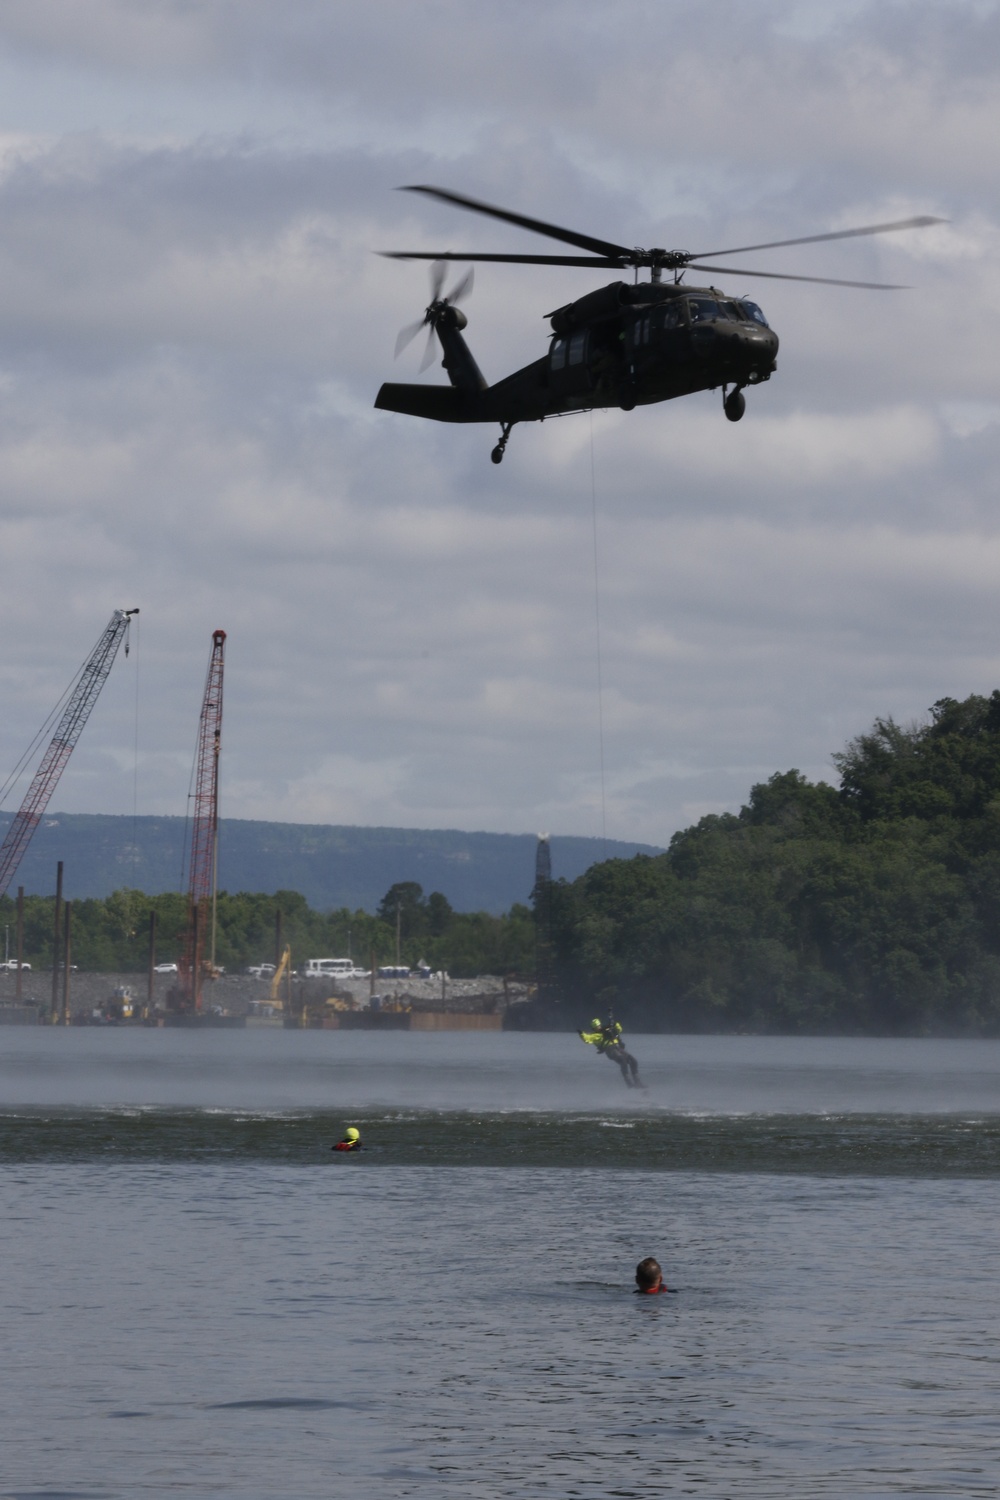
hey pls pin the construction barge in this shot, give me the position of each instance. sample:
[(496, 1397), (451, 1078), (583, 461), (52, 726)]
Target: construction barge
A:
[(235, 1002)]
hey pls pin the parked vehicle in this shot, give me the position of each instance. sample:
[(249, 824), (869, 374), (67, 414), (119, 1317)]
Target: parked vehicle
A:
[(11, 965), (164, 968), (329, 968)]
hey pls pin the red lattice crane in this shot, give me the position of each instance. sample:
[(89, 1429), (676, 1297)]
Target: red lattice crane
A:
[(83, 695), (204, 849)]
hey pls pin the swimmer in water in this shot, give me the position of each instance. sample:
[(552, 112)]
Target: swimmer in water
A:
[(351, 1141), (649, 1278)]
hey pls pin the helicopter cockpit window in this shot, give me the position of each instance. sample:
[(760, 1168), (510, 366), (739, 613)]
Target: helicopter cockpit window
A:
[(754, 313), (673, 316), (578, 347), (731, 310), (702, 309), (558, 354)]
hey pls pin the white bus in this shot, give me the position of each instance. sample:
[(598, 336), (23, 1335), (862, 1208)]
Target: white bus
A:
[(329, 968)]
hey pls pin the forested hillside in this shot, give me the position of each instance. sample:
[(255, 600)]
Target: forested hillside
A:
[(871, 909), (333, 866)]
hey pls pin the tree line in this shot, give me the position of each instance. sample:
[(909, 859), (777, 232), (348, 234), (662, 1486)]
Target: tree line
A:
[(111, 935), (872, 908)]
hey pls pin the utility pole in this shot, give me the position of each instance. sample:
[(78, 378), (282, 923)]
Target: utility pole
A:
[(541, 896), (66, 958), (399, 919), (196, 941), (279, 946), (56, 944), (151, 968), (20, 940)]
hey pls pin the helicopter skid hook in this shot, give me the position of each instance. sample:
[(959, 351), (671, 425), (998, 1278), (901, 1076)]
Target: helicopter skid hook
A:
[(498, 451)]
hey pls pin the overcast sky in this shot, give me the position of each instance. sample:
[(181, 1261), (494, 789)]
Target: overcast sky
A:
[(193, 328)]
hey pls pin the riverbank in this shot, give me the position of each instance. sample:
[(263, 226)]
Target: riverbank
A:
[(481, 1003)]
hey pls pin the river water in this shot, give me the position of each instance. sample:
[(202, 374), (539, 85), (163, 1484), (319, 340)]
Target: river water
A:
[(200, 1299)]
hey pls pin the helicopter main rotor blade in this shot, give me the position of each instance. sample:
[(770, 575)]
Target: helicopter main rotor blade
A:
[(868, 286), (553, 231), (922, 222), (614, 263)]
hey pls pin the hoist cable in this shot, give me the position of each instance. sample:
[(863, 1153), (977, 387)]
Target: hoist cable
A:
[(135, 764), (597, 638)]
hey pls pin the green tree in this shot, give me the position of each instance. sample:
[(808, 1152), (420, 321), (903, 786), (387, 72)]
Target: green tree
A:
[(404, 902)]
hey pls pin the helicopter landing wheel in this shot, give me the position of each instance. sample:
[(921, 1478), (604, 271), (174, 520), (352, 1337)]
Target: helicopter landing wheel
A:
[(734, 405), (498, 452)]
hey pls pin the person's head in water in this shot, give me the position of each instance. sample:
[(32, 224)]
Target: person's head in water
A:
[(648, 1276)]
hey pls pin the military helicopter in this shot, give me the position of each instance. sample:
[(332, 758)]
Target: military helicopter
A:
[(625, 345)]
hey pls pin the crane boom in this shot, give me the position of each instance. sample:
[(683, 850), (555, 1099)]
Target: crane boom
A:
[(204, 826), (279, 974), (82, 698)]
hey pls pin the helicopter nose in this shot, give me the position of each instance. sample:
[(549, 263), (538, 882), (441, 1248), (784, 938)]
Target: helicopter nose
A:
[(760, 344)]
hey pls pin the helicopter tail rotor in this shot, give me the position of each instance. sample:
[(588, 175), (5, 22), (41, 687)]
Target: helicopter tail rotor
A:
[(439, 311)]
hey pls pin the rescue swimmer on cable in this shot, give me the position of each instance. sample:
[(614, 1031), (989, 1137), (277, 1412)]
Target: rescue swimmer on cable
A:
[(607, 1038)]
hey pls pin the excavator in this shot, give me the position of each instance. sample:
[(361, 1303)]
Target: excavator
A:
[(284, 967)]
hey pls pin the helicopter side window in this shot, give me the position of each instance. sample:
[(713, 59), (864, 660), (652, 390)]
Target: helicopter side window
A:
[(672, 315), (702, 309), (558, 354), (754, 313), (640, 332), (578, 347)]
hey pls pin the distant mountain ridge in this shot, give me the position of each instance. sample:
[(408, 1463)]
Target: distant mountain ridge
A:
[(333, 866)]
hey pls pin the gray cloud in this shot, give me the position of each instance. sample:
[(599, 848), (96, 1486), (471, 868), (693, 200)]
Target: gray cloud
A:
[(193, 326)]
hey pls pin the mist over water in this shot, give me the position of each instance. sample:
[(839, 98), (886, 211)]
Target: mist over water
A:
[(202, 1299), (278, 1069)]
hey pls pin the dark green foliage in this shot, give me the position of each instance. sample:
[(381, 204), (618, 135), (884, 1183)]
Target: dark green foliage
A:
[(872, 909), (403, 906), (113, 935)]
